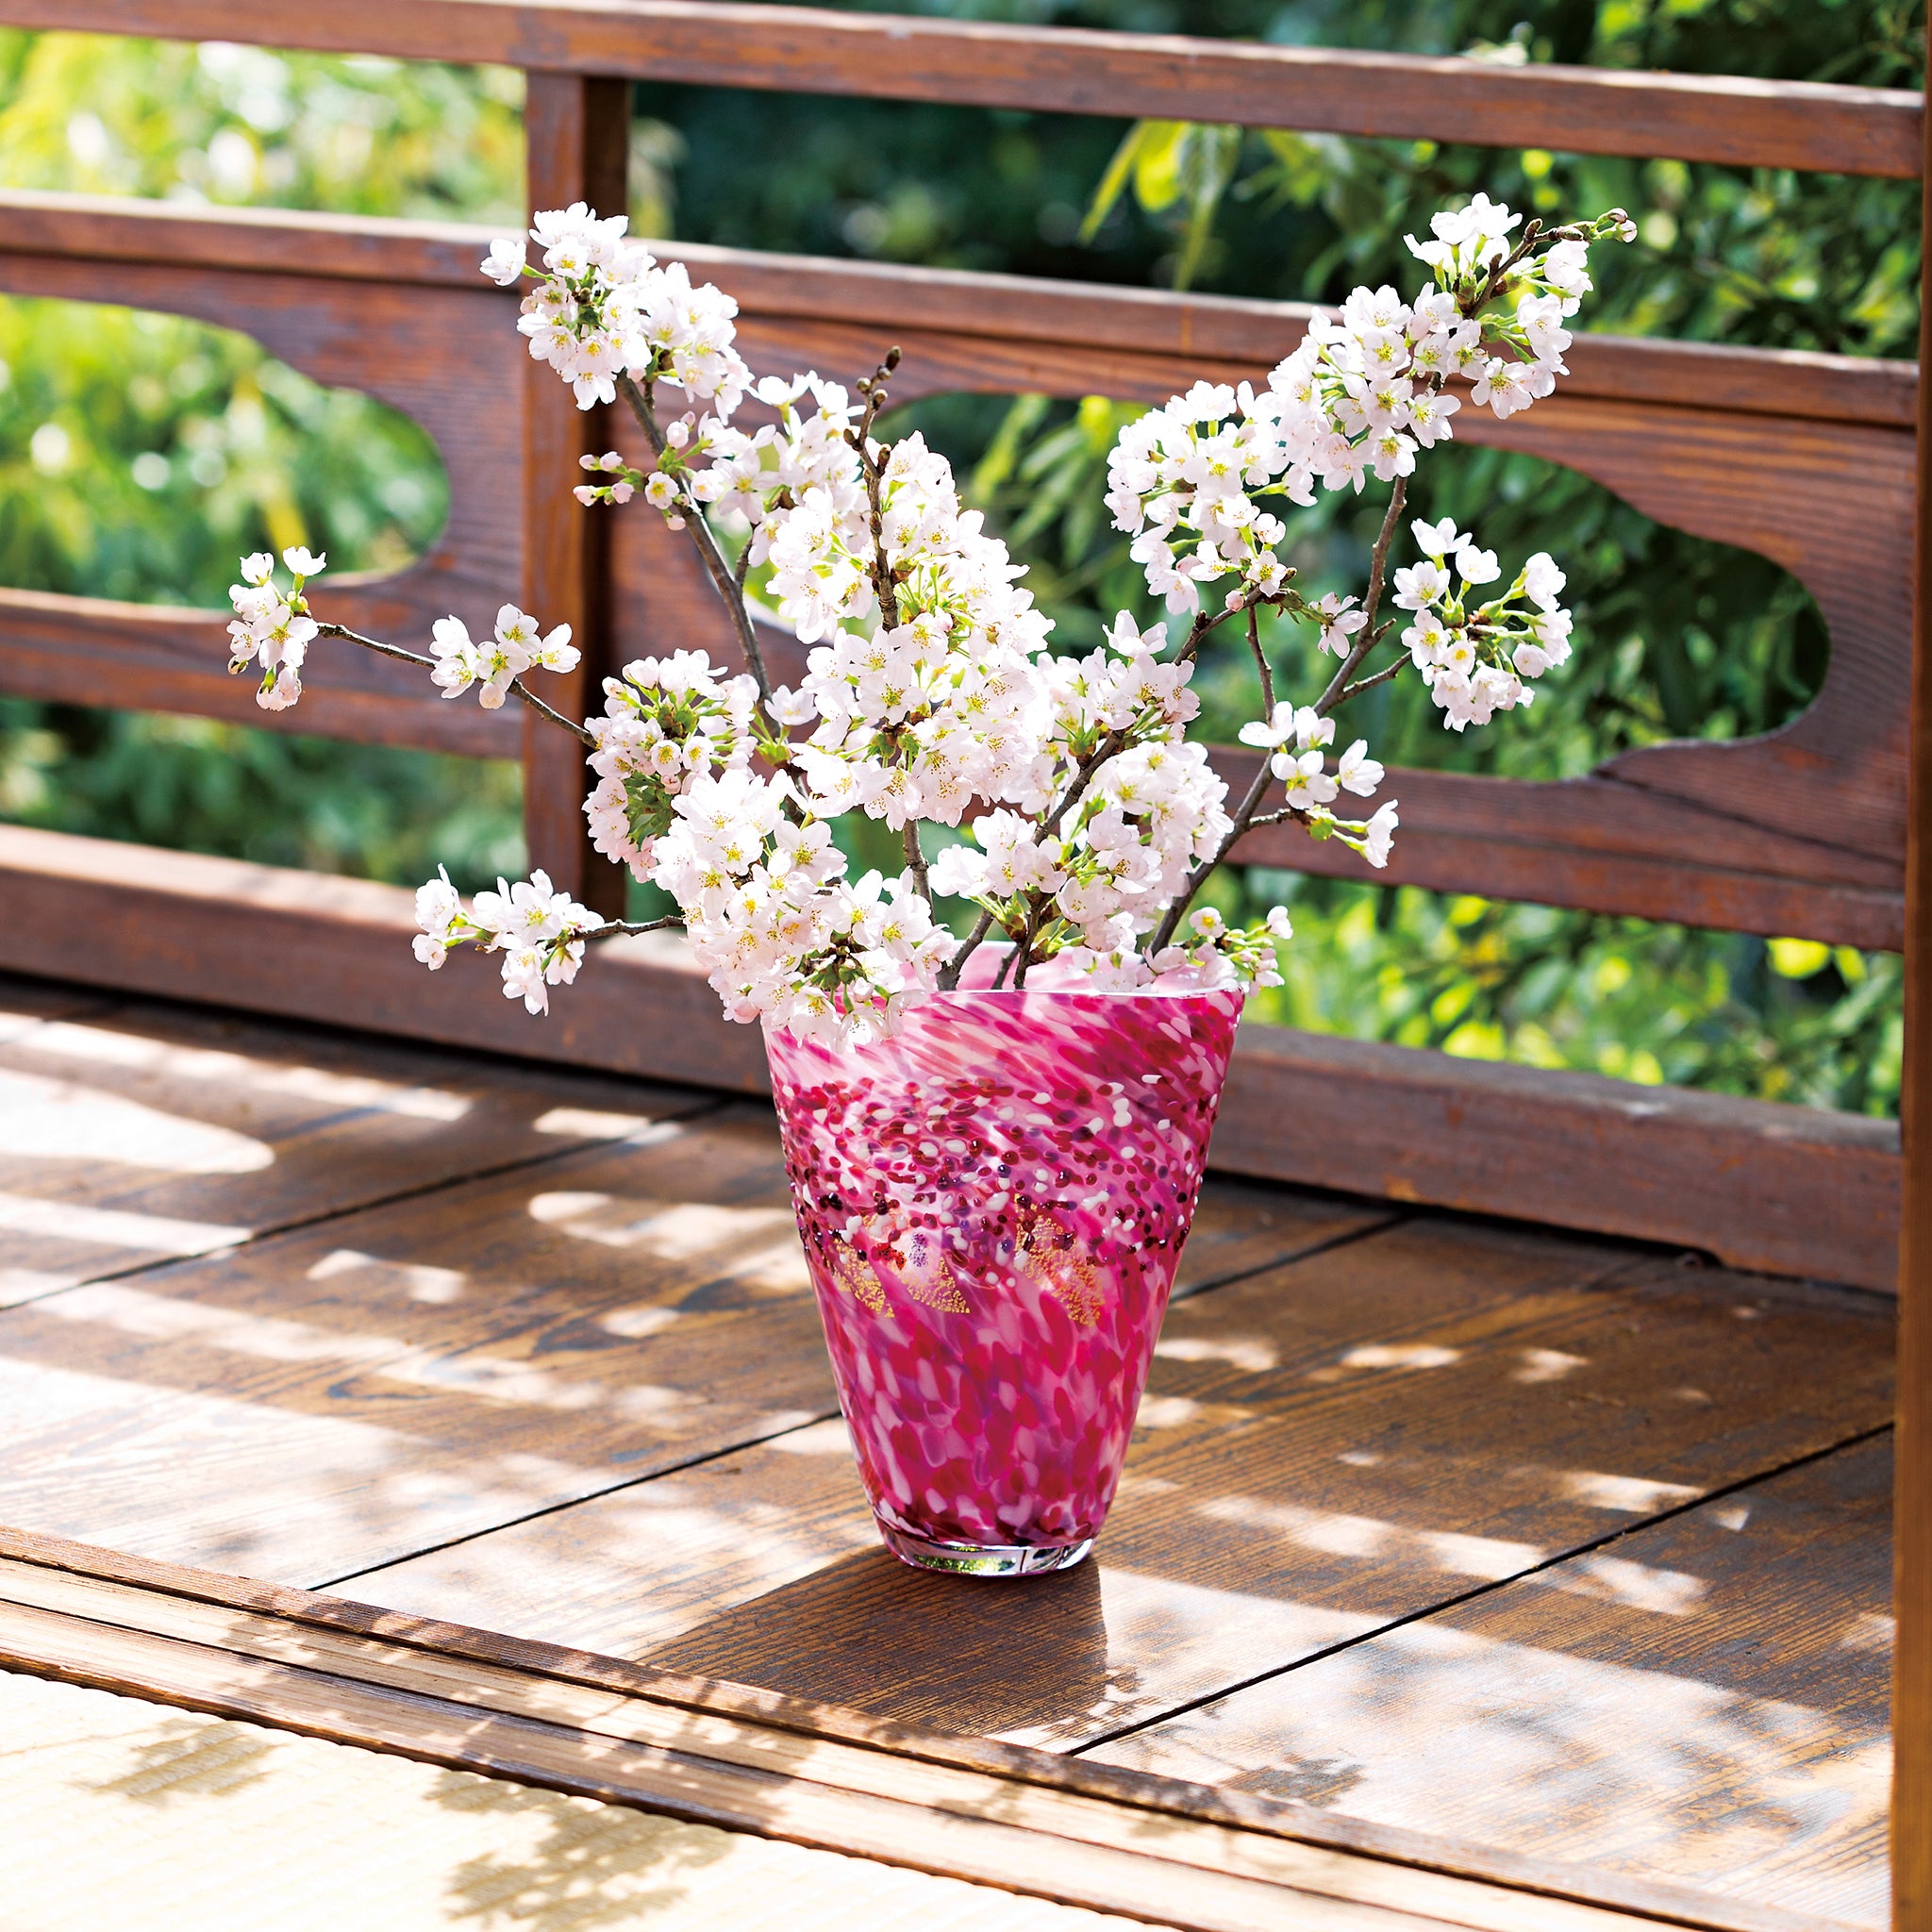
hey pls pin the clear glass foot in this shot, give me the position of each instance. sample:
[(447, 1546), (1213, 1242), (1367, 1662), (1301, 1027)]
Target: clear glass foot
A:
[(982, 1559)]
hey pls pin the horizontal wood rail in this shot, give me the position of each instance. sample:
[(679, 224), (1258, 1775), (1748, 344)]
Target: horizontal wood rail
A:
[(1801, 832), (1788, 1190), (1740, 122)]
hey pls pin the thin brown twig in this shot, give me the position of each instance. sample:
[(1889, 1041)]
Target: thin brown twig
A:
[(612, 928), (949, 978), (1378, 563), (1262, 662), (1381, 676), (728, 585), (516, 684), (915, 858)]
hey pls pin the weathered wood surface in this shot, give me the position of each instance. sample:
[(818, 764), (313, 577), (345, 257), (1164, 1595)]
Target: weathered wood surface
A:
[(1751, 1181), (584, 1402), (385, 1380), (1445, 1408), (578, 140), (132, 1133), (1294, 1487), (1059, 70), (1912, 1841), (447, 362), (1704, 1700), (1154, 324), (1788, 1188), (460, 1697)]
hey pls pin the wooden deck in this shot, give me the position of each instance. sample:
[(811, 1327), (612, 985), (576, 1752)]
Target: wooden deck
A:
[(1445, 1545)]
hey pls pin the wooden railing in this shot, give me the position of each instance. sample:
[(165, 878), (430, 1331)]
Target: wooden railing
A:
[(1807, 460)]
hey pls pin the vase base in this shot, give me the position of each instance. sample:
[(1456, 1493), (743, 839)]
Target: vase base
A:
[(982, 1559)]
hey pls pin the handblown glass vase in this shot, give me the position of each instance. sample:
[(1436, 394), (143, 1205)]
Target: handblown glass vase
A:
[(992, 1205)]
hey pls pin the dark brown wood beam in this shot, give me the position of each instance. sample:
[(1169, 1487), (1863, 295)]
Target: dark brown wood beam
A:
[(885, 296), (578, 135), (1061, 69), (1911, 1697), (1789, 1190)]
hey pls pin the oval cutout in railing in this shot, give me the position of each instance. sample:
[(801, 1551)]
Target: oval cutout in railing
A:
[(141, 454), (140, 457), (1676, 636)]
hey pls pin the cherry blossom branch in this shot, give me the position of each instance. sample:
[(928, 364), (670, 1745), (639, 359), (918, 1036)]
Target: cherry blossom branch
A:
[(872, 389), (1378, 564), (516, 684), (728, 583), (613, 928), (1382, 677), (915, 858), (1261, 666), (949, 976), (1243, 819)]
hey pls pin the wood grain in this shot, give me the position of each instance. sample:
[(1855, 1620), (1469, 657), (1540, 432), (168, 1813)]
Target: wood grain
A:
[(1325, 1447), (1703, 1702), (146, 1133), (349, 1393), (771, 287), (450, 362), (1059, 70), (1788, 1188), (1911, 1837), (448, 1709), (576, 137), (1752, 1182), (769, 1731)]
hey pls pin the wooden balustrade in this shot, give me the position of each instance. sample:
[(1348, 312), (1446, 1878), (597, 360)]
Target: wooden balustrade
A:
[(1820, 828)]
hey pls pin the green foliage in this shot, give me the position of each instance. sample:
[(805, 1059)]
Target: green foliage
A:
[(222, 123), (1787, 1020), (141, 454)]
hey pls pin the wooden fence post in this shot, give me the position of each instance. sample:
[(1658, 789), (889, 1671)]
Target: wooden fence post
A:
[(1911, 1692), (578, 133)]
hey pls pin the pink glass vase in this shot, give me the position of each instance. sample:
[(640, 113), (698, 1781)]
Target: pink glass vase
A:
[(992, 1205)]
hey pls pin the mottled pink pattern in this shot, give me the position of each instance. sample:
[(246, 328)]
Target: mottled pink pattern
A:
[(993, 1205)]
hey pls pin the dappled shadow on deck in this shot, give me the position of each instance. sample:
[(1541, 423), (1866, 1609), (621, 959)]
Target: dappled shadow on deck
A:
[(1558, 1547)]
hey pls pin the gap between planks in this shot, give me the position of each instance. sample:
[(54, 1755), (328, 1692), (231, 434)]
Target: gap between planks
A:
[(716, 1754), (781, 1766), (1621, 1533)]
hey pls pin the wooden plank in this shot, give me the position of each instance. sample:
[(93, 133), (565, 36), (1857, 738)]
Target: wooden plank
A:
[(441, 350), (352, 1392), (1585, 111), (201, 1641), (1444, 1432), (578, 140), (149, 1133), (1702, 1703), (305, 246), (1911, 1838), (1792, 1190), (725, 1533), (1602, 842), (1269, 1511), (725, 1537), (1750, 1181)]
